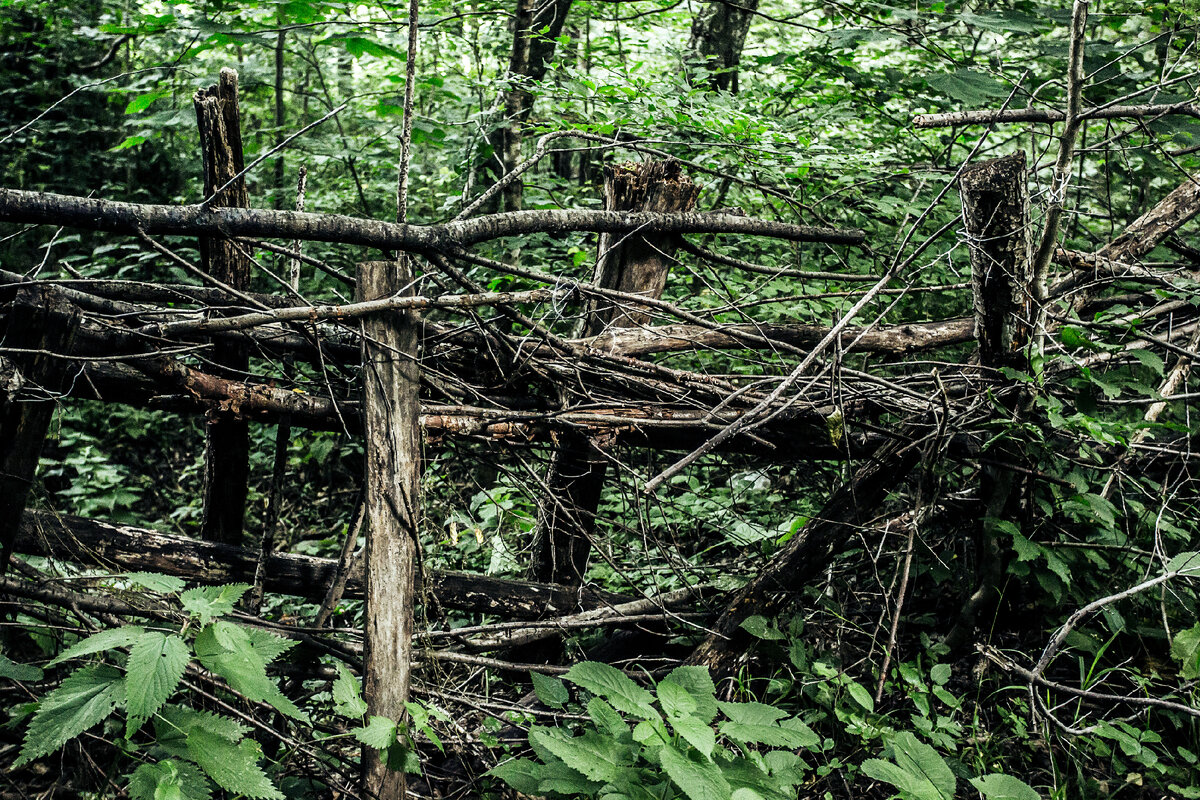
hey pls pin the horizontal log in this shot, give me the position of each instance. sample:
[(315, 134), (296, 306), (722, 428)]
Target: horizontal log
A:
[(896, 339), (1010, 115), (44, 208), (125, 548)]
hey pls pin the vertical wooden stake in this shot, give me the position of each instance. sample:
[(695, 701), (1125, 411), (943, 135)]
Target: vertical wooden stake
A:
[(39, 324), (227, 451), (391, 410), (631, 264), (995, 198)]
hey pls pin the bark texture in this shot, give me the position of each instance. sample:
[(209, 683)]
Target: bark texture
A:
[(718, 36), (227, 438), (391, 411)]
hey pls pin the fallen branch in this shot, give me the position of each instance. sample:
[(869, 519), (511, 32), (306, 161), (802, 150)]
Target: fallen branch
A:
[(991, 117)]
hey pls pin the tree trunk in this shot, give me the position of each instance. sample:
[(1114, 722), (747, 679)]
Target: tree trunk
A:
[(226, 456), (391, 409), (718, 36), (629, 263), (536, 29)]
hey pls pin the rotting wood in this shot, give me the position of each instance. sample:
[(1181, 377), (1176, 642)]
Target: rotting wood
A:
[(125, 548), (995, 199), (36, 377), (391, 412), (1052, 115), (631, 263), (227, 437), (790, 570)]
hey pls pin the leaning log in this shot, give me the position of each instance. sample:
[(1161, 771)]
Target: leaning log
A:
[(125, 548)]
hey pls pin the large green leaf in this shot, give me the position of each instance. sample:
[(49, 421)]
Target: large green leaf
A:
[(379, 733), (172, 725), (230, 651), (155, 666), (210, 602), (614, 686), (85, 698), (347, 694), (919, 771), (550, 690), (793, 736), (108, 639), (233, 767), (699, 781), (998, 786), (522, 774), (593, 755), (19, 672), (700, 686)]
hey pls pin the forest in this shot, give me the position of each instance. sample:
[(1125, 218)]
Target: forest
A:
[(610, 399)]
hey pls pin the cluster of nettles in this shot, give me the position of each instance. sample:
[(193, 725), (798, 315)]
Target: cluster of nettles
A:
[(183, 752), (680, 741)]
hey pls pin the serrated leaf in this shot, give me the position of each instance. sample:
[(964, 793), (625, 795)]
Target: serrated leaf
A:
[(210, 602), (152, 673), (1149, 359), (604, 680), (229, 650), (155, 582), (84, 699), (1185, 563), (699, 781), (379, 733), (751, 713), (698, 734), (918, 770), (911, 787), (522, 774), (700, 686), (968, 86), (18, 672), (233, 767), (169, 780), (550, 690), (860, 695), (940, 674), (675, 700), (347, 693), (998, 786), (108, 639), (771, 735), (593, 755), (607, 718), (1185, 648), (143, 101), (172, 725)]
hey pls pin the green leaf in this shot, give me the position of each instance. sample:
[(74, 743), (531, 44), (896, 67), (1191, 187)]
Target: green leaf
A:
[(230, 651), (1185, 648), (522, 774), (164, 584), (761, 628), (232, 767), (793, 737), (696, 733), (699, 781), (347, 694), (1149, 359), (1185, 563), (968, 86), (593, 755), (860, 695), (85, 698), (919, 771), (18, 672), (152, 673), (700, 686), (143, 101), (168, 780), (210, 602), (172, 725), (128, 142), (379, 733), (751, 713), (675, 700), (550, 690), (940, 674), (998, 786), (607, 718), (614, 686), (108, 639)]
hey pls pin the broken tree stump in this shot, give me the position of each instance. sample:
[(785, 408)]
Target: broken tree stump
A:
[(38, 331), (227, 438), (391, 412), (630, 263), (995, 200)]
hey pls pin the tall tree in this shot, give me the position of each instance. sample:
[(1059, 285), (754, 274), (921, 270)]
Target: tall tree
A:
[(718, 35)]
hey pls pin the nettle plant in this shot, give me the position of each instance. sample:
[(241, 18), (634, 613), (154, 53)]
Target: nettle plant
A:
[(680, 741), (134, 672)]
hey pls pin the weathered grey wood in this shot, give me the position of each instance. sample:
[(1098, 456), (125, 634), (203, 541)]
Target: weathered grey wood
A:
[(126, 548), (227, 437), (635, 264), (391, 413), (995, 202), (37, 329)]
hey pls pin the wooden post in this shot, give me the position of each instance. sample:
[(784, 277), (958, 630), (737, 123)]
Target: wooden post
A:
[(630, 263), (391, 410), (37, 328), (995, 199), (227, 451)]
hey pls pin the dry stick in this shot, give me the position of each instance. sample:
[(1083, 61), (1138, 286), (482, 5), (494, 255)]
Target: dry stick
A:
[(345, 565), (900, 593), (410, 78), (709, 255), (343, 312), (1052, 115), (1062, 167)]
